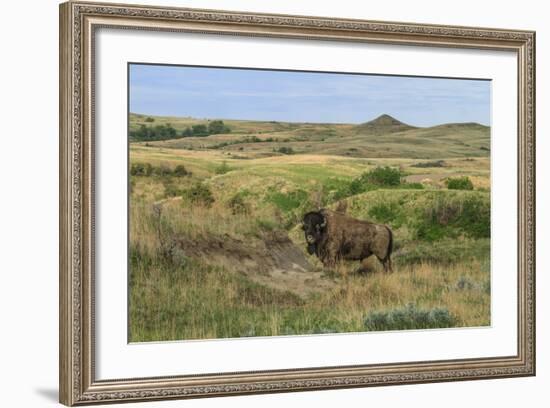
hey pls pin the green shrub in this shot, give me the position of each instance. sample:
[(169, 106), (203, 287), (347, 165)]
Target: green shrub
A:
[(148, 133), (431, 231), (285, 150), (335, 189), (475, 217), (459, 183), (360, 185), (162, 170), (181, 171), (238, 205), (408, 318), (137, 169), (171, 190), (217, 126), (199, 130), (222, 168), (141, 169), (470, 216), (149, 119), (382, 176), (199, 194), (372, 180), (388, 213)]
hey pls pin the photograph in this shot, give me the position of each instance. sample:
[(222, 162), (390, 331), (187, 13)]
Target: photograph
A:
[(268, 202)]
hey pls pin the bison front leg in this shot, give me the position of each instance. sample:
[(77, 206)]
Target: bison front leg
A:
[(330, 259), (330, 262)]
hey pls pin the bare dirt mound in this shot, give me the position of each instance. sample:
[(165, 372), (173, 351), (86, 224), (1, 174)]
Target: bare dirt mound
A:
[(272, 260)]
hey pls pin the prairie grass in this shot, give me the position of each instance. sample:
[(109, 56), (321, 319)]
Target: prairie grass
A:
[(441, 237), (190, 300)]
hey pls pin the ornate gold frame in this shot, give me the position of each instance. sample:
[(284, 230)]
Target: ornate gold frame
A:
[(78, 22)]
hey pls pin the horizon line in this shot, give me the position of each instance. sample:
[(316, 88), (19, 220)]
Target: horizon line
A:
[(307, 122)]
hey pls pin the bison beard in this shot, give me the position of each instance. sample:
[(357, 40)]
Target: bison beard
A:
[(333, 236)]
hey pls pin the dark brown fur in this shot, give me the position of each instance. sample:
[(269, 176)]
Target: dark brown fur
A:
[(334, 236)]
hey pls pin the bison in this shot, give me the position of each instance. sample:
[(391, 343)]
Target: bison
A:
[(333, 236)]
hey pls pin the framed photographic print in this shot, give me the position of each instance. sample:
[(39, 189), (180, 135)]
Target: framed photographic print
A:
[(256, 203)]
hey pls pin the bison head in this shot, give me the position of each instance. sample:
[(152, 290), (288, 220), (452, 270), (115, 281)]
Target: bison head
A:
[(314, 225)]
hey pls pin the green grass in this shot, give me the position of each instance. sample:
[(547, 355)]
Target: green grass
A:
[(288, 201), (445, 251)]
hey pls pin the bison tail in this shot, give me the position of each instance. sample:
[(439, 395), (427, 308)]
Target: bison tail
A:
[(390, 245)]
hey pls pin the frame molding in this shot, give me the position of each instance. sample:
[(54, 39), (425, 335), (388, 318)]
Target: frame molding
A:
[(78, 21)]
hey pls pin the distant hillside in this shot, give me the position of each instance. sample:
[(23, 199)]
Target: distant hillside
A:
[(383, 137), (458, 126), (383, 124)]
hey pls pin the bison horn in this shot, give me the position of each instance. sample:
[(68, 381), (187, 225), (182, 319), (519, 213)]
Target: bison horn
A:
[(324, 223)]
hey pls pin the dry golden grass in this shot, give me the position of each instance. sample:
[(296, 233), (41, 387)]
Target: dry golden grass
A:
[(216, 303)]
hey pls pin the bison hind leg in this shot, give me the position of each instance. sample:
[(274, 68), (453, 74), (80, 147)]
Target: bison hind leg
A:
[(386, 263)]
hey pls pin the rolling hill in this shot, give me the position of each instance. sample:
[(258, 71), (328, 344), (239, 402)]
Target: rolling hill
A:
[(382, 137)]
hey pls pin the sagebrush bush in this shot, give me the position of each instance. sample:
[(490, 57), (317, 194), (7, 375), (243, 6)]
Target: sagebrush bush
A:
[(459, 183), (408, 318), (464, 283)]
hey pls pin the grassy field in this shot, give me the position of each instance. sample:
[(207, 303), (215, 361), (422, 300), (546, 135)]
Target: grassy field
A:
[(215, 245)]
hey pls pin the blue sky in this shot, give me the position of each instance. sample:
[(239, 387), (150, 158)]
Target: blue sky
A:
[(221, 93)]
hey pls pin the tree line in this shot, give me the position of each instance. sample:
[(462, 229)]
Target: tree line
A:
[(167, 131)]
